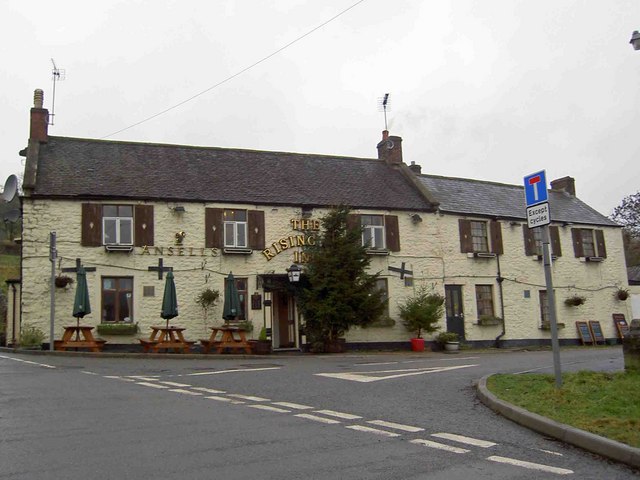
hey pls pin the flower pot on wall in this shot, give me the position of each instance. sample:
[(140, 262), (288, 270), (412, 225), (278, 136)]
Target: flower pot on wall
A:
[(452, 346), (417, 344)]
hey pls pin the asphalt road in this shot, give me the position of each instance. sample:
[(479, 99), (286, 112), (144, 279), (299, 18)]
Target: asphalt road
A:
[(377, 416)]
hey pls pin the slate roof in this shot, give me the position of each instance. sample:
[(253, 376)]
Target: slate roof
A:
[(482, 198), (85, 168)]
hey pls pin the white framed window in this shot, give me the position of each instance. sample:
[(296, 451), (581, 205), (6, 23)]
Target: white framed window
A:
[(373, 231), (235, 228), (588, 243), (479, 238), (117, 225), (484, 300)]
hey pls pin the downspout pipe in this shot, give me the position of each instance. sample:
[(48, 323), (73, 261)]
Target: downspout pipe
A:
[(500, 279)]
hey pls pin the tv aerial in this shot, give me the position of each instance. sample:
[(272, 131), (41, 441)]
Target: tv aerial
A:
[(383, 104), (57, 74), (10, 188)]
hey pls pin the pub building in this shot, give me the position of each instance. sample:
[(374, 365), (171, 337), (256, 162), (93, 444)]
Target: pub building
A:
[(131, 210)]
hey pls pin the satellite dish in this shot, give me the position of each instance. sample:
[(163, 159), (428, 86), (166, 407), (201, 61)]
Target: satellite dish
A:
[(12, 215), (10, 188)]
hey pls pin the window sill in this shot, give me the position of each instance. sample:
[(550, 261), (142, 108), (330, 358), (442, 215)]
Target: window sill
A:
[(547, 326), (377, 251), (237, 250), (118, 248), (539, 258), (481, 255), (489, 322), (594, 259)]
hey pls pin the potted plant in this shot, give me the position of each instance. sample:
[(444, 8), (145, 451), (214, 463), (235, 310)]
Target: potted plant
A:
[(31, 337), (489, 320), (421, 313), (450, 341), (117, 328), (262, 346), (622, 294), (207, 299), (574, 301), (63, 280)]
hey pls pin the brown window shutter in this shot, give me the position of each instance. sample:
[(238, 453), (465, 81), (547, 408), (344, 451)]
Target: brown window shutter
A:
[(392, 232), (91, 225), (143, 219), (496, 237), (353, 222), (576, 235), (529, 241), (554, 234), (213, 224), (601, 247), (256, 229), (466, 244)]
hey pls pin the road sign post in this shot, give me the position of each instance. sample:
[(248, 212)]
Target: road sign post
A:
[(539, 216)]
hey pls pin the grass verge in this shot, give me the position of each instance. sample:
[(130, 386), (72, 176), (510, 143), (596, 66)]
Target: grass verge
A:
[(606, 404)]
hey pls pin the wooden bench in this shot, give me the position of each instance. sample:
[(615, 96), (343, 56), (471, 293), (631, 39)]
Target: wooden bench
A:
[(147, 344), (95, 345), (156, 346)]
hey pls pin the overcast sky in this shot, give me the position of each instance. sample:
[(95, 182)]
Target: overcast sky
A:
[(484, 89)]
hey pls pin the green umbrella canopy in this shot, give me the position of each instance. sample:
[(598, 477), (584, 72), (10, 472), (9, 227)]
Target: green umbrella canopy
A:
[(232, 306), (81, 305), (170, 299)]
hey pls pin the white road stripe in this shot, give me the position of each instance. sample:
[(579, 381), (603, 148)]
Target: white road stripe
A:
[(175, 384), (395, 426), (551, 452), (27, 361), (331, 413), (269, 408), (455, 359), (361, 428), (224, 399), (89, 373), (152, 385), (207, 390), (529, 465), (439, 446), (317, 419), (236, 370), (375, 363), (112, 376), (366, 377), (143, 377), (295, 406), (249, 397), (462, 439), (186, 392)]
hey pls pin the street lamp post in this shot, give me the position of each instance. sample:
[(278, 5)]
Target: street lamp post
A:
[(635, 40)]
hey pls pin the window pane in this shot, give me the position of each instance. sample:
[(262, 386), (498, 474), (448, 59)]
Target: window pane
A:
[(379, 238), (537, 236), (123, 304), (235, 215), (367, 237), (588, 246), (110, 211), (125, 211), (484, 300), (109, 231), (544, 307), (479, 236), (229, 234), (108, 306), (242, 234), (126, 284), (126, 234), (108, 284)]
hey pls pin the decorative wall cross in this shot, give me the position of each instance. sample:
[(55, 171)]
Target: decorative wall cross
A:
[(401, 270), (160, 269), (77, 267)]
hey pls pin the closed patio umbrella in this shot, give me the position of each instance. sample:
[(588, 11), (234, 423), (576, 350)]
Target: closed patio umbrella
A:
[(81, 305), (232, 306), (169, 300)]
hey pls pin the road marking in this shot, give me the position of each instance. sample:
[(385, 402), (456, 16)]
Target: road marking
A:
[(89, 373), (207, 390), (331, 413), (439, 446), (452, 359), (175, 384), (462, 439), (153, 385), (186, 392), (530, 465), (315, 418), (249, 397), (269, 408), (295, 406), (236, 370), (375, 431), (375, 363), (366, 377), (225, 399), (551, 452), (395, 426), (44, 365), (143, 377)]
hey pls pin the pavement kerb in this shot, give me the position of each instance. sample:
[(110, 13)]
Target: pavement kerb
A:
[(593, 443)]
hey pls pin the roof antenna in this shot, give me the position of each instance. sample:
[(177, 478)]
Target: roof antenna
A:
[(57, 74), (383, 103)]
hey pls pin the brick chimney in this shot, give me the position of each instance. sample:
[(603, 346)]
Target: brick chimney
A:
[(415, 168), (390, 148), (39, 118), (564, 184)]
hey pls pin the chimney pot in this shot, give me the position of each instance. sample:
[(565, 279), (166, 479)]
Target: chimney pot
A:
[(564, 184), (38, 98), (415, 168), (39, 118)]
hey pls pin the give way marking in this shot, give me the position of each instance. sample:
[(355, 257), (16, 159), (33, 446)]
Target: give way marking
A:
[(377, 375)]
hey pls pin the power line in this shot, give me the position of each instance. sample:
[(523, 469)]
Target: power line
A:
[(231, 77)]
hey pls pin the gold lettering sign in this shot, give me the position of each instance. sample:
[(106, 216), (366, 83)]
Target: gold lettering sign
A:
[(179, 251)]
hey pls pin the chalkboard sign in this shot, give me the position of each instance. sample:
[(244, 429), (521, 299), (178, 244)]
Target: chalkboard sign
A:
[(596, 331), (584, 332), (621, 325)]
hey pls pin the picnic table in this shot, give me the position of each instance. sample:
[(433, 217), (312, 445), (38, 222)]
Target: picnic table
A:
[(223, 338), (78, 336), (167, 338)]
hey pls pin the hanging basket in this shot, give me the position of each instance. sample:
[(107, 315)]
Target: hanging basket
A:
[(622, 294), (575, 301), (62, 281)]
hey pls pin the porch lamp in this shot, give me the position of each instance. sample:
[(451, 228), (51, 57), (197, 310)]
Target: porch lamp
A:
[(635, 40), (293, 273)]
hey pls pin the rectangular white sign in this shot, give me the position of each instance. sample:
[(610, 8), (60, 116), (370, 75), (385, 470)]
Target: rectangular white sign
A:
[(538, 215)]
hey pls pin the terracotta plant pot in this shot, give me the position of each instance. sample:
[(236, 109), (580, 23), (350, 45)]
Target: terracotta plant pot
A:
[(417, 344)]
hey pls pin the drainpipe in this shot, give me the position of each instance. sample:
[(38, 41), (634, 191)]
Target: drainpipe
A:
[(500, 279), (13, 316)]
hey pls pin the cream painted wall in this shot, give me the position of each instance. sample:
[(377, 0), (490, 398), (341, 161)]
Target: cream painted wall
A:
[(430, 248)]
